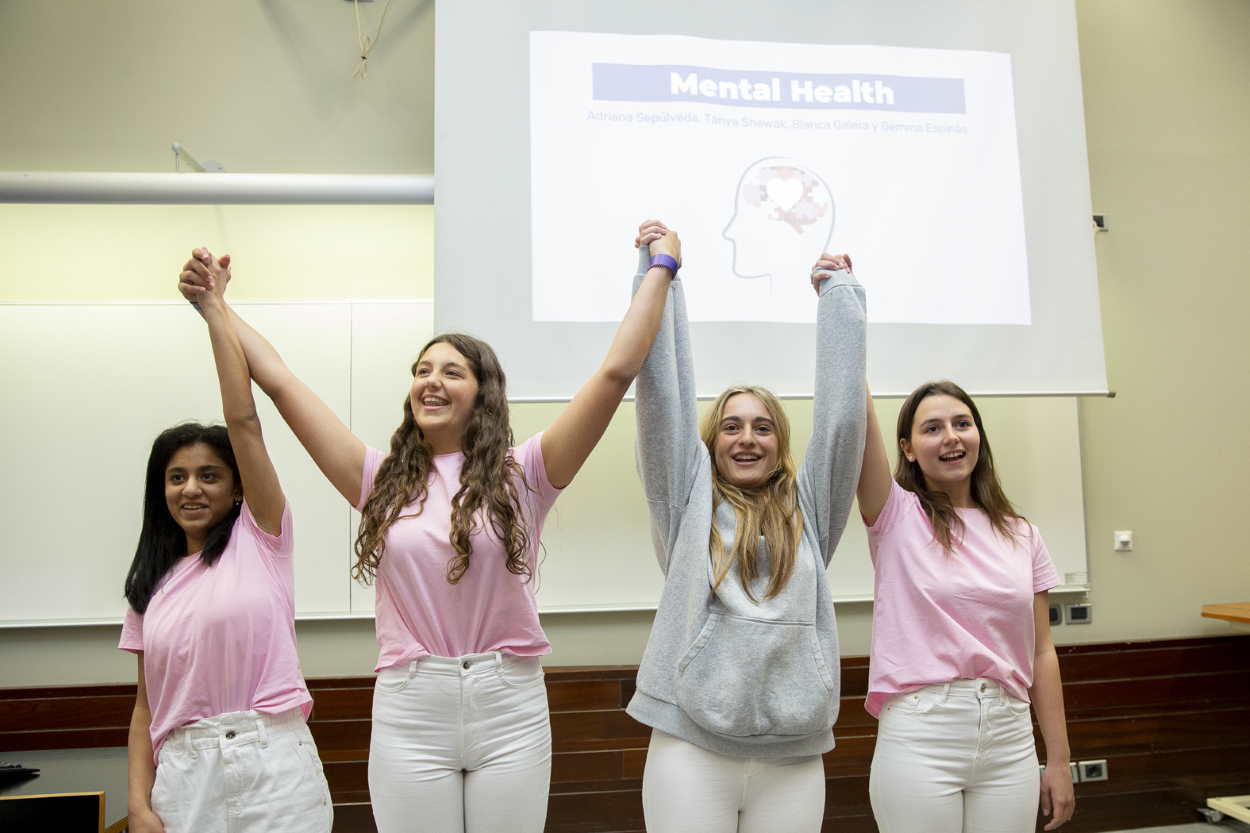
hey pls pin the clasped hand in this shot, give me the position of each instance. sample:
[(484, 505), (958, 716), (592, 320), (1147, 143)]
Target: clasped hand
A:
[(661, 239), (204, 278), (826, 266)]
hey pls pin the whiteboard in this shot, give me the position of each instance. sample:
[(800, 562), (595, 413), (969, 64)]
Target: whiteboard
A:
[(88, 386)]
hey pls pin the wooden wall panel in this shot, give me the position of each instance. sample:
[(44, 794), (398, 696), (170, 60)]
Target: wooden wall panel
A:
[(1171, 717)]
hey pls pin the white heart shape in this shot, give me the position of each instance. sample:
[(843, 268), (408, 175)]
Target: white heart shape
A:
[(784, 193)]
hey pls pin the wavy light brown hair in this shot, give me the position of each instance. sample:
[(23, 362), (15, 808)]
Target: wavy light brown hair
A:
[(986, 492), (770, 509), (488, 480)]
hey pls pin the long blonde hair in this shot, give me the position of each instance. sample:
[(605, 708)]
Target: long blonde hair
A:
[(770, 509)]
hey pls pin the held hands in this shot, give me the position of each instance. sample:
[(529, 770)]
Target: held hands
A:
[(1058, 800), (661, 239), (203, 278), (826, 266)]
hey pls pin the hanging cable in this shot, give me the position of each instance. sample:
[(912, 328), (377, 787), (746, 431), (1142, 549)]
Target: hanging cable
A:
[(365, 42)]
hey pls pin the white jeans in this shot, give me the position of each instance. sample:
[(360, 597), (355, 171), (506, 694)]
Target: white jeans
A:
[(955, 758), (461, 744), (242, 772), (687, 789)]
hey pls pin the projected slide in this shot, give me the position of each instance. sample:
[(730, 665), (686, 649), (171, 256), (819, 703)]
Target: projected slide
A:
[(765, 154)]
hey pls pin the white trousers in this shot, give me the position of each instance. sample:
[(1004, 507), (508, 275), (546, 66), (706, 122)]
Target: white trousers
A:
[(955, 758), (461, 744), (687, 789), (242, 772)]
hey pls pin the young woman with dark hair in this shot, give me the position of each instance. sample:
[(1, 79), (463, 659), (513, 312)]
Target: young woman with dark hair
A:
[(451, 519), (218, 739), (740, 678), (162, 539), (961, 636)]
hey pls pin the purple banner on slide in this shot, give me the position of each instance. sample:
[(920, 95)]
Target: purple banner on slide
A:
[(756, 88)]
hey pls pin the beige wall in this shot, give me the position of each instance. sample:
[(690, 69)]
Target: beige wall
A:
[(108, 86), (1168, 126)]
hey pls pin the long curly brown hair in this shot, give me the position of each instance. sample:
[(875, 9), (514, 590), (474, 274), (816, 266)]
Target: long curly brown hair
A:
[(488, 479), (770, 510), (986, 492)]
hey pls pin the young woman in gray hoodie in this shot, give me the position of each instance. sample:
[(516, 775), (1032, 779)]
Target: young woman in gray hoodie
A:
[(740, 678)]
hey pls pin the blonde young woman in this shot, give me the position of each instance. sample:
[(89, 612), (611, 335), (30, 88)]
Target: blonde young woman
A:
[(451, 518), (740, 678), (961, 637)]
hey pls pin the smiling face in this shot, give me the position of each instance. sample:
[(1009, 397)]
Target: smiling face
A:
[(200, 490), (945, 443), (443, 396), (746, 446)]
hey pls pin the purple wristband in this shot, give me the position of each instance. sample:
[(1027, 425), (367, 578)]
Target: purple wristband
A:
[(667, 261)]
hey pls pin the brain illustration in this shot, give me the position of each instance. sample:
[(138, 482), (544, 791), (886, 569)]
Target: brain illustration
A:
[(788, 194)]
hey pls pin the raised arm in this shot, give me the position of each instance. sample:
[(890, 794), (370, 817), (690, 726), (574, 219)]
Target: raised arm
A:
[(568, 441), (831, 469), (260, 481), (334, 448), (874, 476), (668, 443), (141, 771)]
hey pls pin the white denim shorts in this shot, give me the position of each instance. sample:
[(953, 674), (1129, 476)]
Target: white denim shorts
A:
[(242, 772)]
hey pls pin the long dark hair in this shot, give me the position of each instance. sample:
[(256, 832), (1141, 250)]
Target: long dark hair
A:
[(161, 541), (986, 492), (488, 480)]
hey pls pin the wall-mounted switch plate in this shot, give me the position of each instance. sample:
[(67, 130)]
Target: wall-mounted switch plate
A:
[(1078, 614), (1093, 770)]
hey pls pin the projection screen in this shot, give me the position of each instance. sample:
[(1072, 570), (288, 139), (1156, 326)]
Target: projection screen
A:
[(941, 144)]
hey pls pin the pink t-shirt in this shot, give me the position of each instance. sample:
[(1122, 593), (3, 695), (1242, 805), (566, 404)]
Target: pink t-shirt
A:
[(962, 615), (418, 613), (221, 639)]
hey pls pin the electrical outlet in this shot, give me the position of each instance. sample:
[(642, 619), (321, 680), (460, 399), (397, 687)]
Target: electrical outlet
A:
[(1123, 540), (1078, 614), (1093, 770)]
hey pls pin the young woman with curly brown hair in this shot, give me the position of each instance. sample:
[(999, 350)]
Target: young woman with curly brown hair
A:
[(450, 524)]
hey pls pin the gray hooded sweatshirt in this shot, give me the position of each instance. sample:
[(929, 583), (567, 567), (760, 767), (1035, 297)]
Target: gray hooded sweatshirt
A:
[(751, 679)]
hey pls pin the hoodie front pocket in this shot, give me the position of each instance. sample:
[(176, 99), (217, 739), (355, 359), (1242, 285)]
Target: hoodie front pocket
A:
[(747, 677), (705, 633)]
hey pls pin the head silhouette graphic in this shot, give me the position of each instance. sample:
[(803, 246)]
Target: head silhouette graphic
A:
[(782, 221)]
